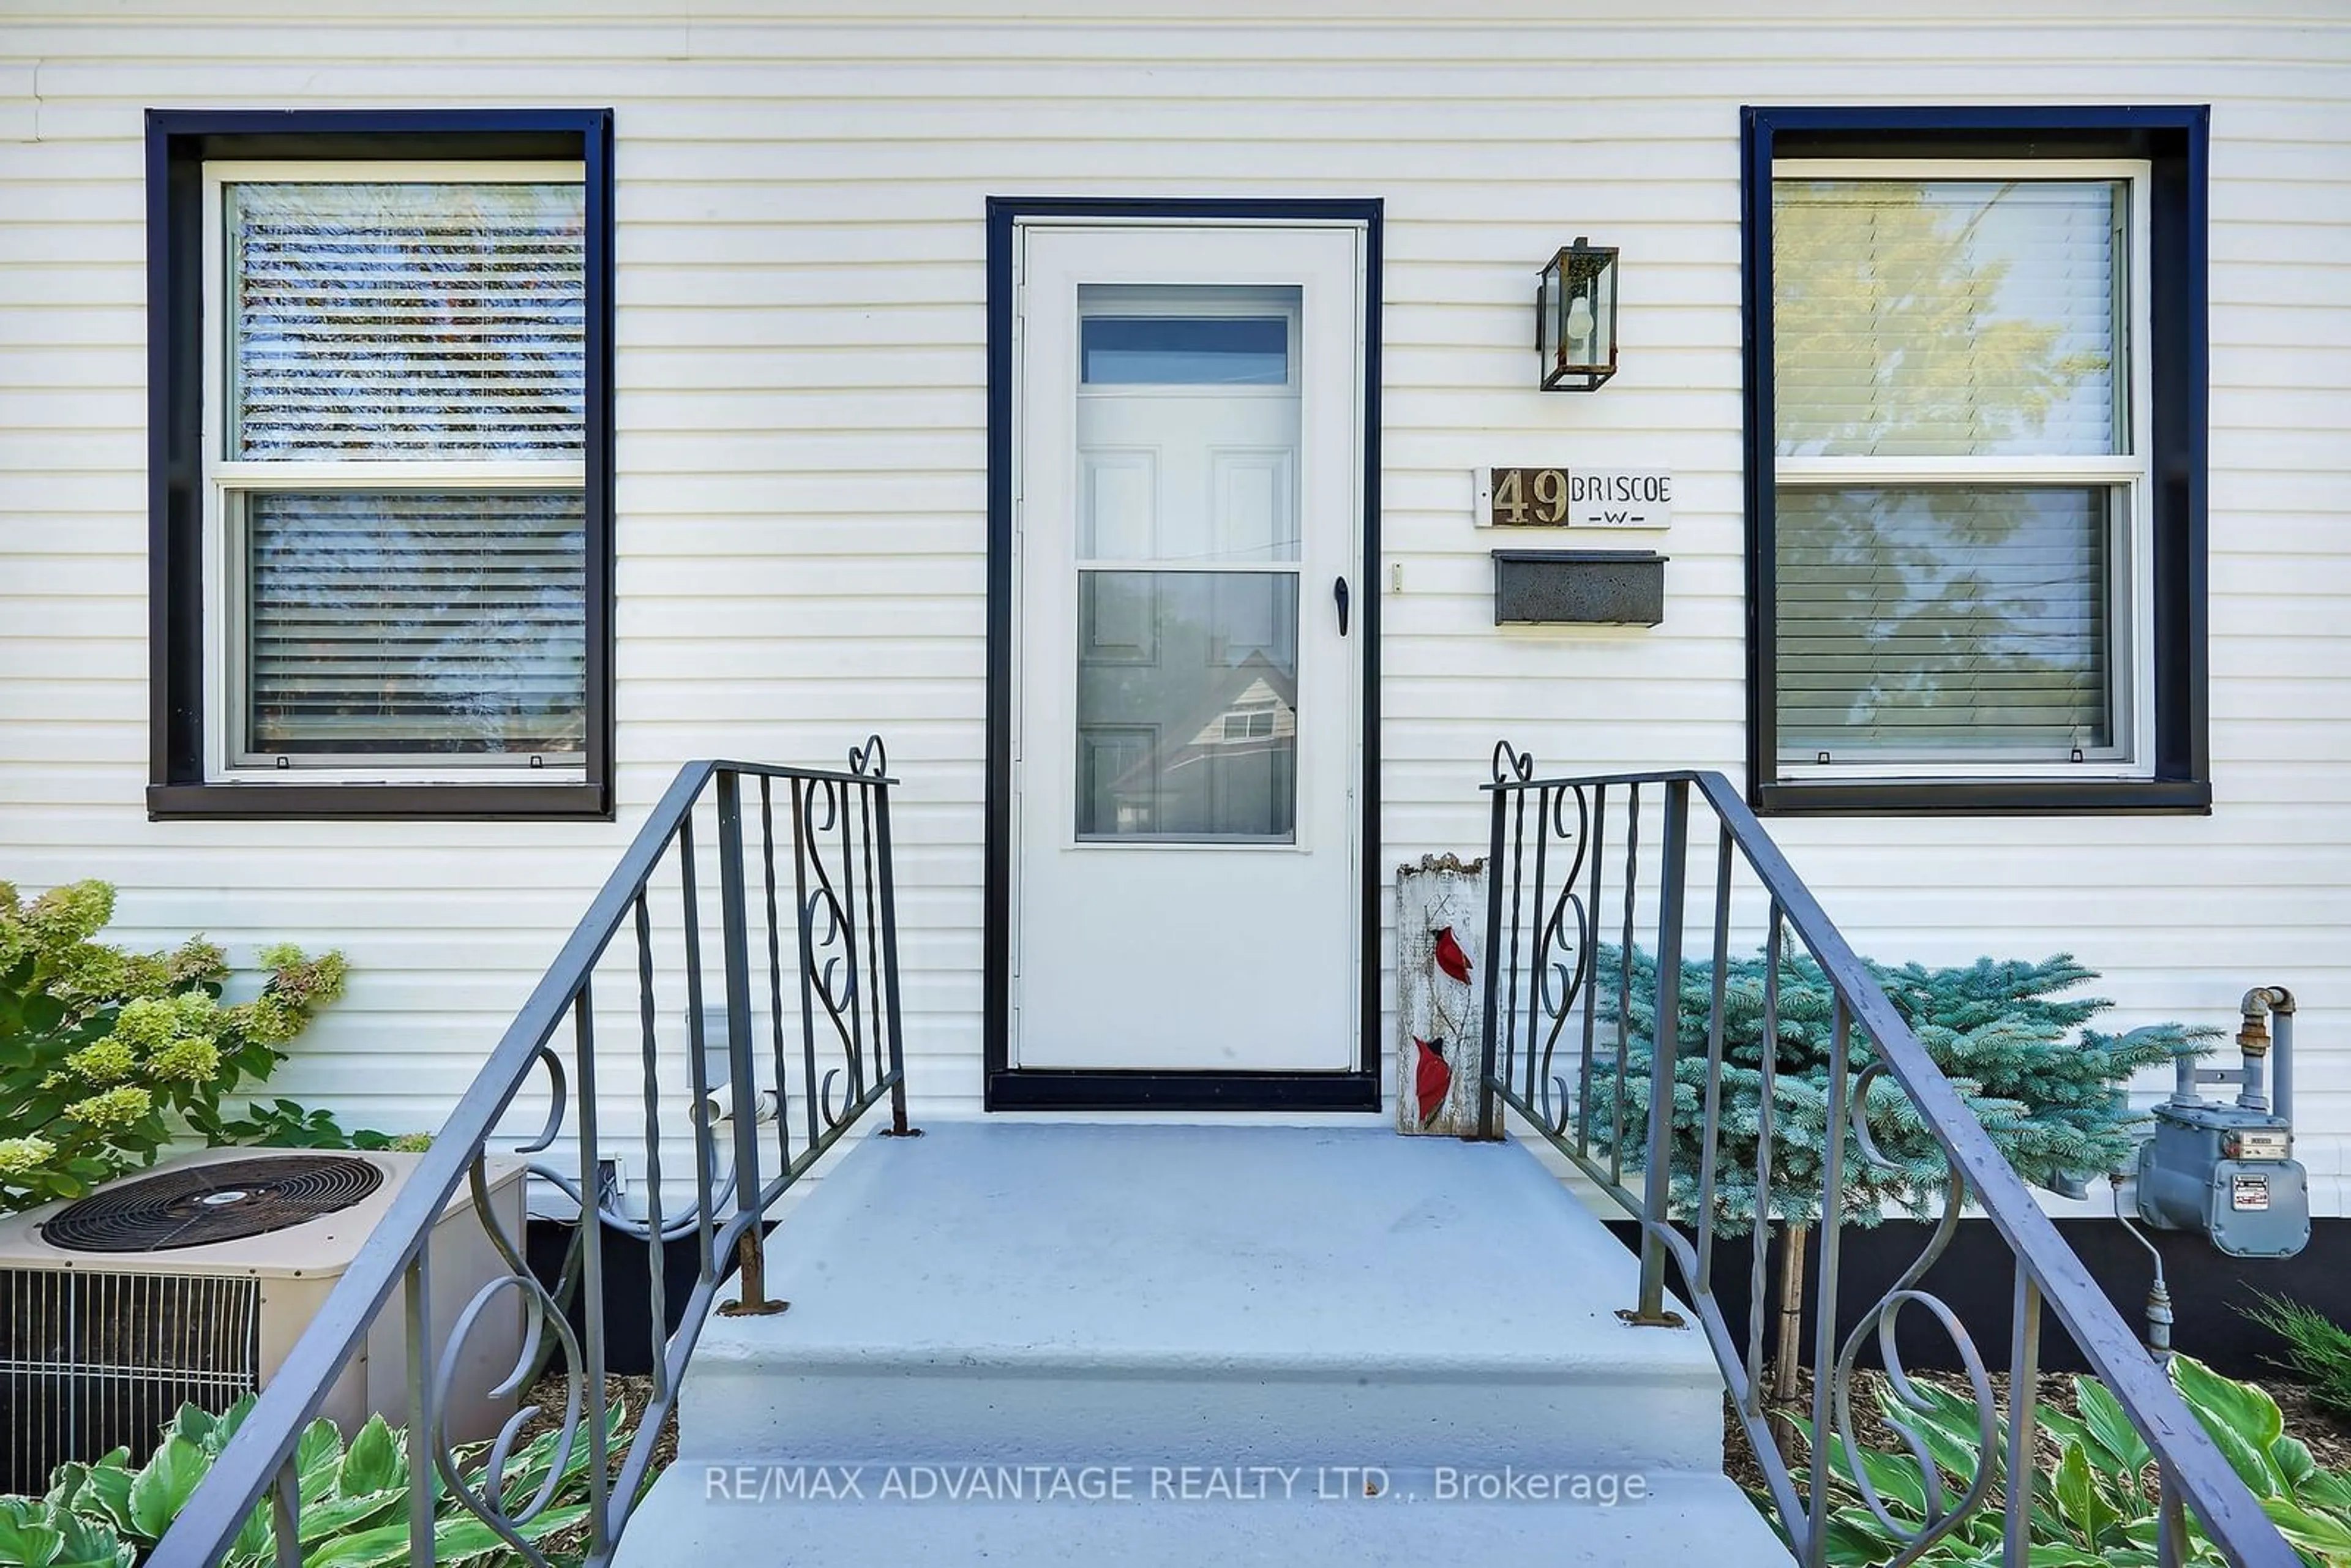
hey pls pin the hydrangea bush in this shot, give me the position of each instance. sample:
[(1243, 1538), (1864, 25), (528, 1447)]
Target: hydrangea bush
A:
[(106, 1055)]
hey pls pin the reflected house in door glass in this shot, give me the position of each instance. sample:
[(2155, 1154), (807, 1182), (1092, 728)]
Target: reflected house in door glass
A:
[(1233, 776), (1188, 691)]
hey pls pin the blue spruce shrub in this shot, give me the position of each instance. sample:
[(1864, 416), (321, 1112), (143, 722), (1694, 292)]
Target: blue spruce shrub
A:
[(2050, 1098)]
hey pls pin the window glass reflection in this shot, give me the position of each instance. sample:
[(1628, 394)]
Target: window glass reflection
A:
[(1188, 705)]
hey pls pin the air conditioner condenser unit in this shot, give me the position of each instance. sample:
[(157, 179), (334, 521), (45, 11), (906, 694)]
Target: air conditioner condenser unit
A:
[(190, 1282)]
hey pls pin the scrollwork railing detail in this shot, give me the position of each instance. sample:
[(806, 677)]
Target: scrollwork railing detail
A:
[(486, 1502), (653, 941), (827, 923), (1666, 1166), (1558, 985)]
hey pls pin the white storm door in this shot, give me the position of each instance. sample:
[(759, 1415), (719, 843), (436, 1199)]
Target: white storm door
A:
[(1188, 721)]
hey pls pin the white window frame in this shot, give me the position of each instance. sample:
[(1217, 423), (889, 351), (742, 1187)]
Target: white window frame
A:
[(2131, 544), (226, 481)]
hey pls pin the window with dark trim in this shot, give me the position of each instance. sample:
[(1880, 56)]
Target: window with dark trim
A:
[(380, 458), (1976, 433)]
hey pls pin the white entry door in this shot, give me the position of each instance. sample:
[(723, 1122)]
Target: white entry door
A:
[(1189, 528)]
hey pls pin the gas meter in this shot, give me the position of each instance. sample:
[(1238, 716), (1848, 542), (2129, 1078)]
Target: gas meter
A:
[(2228, 1169)]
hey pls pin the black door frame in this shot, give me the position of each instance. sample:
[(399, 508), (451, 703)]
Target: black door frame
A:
[(1060, 1089)]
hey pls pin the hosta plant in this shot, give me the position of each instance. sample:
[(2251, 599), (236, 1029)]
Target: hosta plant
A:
[(2095, 1505), (354, 1499), (108, 1055), (35, 1534)]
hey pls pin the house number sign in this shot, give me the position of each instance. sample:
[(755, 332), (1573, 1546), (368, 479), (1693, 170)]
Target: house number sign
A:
[(1575, 497)]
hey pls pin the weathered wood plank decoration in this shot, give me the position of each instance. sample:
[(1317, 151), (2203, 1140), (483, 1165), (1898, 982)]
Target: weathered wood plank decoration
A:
[(1440, 979)]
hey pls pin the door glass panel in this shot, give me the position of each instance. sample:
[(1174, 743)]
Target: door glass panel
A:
[(1188, 424), (1186, 714), (1185, 350)]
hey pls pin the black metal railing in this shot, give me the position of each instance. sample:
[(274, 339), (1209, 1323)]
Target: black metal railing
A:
[(1569, 895), (801, 1065)]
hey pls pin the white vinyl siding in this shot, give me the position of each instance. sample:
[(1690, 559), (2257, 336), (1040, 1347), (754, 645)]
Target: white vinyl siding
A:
[(1961, 523), (802, 397)]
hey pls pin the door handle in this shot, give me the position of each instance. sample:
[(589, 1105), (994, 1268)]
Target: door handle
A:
[(1339, 597)]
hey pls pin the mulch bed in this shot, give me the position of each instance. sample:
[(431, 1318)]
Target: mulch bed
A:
[(551, 1393), (551, 1390)]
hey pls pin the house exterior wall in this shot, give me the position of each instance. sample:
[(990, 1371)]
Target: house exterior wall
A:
[(802, 464)]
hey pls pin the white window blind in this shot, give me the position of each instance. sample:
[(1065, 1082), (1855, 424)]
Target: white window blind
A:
[(417, 597), (1919, 623), (449, 624), (1949, 318), (405, 320), (1951, 390)]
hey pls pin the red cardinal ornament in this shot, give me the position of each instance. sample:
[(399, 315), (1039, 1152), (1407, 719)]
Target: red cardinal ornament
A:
[(1431, 1077), (1450, 957)]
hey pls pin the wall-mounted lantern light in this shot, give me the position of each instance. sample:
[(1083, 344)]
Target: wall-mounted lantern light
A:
[(1575, 318)]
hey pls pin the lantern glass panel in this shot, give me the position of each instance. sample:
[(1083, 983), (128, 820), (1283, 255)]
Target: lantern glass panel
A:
[(1599, 348), (1587, 322), (1576, 317), (1547, 319)]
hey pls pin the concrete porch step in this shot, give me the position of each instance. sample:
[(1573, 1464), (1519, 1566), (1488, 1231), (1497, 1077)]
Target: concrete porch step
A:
[(1150, 1297), (1685, 1519), (1236, 1294)]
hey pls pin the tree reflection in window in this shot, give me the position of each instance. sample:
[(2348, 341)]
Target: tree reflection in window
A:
[(1976, 320)]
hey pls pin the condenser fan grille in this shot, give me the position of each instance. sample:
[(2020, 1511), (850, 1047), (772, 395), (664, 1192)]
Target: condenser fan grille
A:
[(90, 1361), (197, 1205)]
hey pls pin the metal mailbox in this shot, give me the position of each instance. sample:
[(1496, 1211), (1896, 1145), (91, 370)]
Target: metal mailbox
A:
[(1579, 587)]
